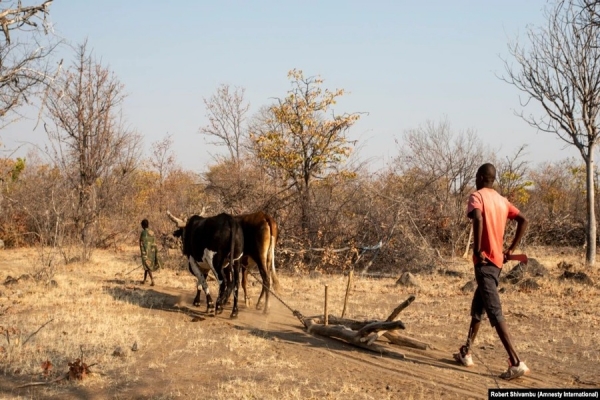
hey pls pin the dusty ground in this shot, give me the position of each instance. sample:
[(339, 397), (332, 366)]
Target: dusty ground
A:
[(98, 310)]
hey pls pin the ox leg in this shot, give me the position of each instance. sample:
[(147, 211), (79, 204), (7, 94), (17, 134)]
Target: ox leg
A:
[(209, 300), (245, 284), (266, 278), (202, 284), (236, 286), (209, 258)]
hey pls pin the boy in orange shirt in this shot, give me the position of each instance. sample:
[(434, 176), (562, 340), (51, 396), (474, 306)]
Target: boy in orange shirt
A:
[(489, 212)]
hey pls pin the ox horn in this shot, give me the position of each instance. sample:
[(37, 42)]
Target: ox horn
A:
[(178, 222)]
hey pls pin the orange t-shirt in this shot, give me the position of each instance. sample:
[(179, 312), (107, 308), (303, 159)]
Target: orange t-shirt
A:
[(495, 210)]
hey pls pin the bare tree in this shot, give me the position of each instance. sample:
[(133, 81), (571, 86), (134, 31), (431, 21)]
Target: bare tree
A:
[(226, 113), (511, 176), (24, 61), (441, 164), (90, 142), (559, 69), (163, 162)]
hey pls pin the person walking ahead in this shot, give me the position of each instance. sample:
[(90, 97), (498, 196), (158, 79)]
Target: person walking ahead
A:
[(149, 252), (489, 212)]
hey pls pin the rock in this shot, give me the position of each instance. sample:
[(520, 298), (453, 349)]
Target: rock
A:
[(532, 269), (134, 347), (315, 274), (529, 284), (580, 277), (118, 352), (469, 287), (449, 272), (53, 283), (408, 279), (515, 274), (10, 281)]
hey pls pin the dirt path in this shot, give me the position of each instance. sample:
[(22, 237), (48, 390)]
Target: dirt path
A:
[(184, 353), (328, 365)]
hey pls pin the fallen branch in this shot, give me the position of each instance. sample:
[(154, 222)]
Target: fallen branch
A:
[(399, 340), (60, 378), (400, 308), (39, 329)]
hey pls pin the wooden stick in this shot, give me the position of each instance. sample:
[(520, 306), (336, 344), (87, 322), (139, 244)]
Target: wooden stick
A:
[(400, 340), (401, 307), (394, 315), (39, 329), (325, 308), (350, 274), (348, 323)]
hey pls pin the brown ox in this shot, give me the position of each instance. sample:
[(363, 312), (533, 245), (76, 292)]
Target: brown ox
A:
[(260, 238)]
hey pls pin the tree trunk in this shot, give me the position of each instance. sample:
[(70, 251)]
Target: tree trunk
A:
[(590, 256)]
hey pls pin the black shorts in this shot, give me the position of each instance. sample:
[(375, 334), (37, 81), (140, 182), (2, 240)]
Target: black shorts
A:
[(486, 296)]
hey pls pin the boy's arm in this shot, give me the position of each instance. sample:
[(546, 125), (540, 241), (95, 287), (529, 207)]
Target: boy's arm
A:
[(521, 227), (477, 219)]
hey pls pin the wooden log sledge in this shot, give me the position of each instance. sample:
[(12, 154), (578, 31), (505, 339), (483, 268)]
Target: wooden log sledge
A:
[(363, 338), (364, 334)]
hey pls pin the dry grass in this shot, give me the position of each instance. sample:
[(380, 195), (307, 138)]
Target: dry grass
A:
[(96, 308)]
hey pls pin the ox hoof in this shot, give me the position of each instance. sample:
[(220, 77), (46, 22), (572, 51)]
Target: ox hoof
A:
[(234, 315), (196, 304)]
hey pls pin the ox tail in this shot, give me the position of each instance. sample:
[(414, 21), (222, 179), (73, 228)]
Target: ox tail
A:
[(271, 259), (232, 249)]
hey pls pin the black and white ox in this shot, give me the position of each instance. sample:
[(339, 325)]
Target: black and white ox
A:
[(214, 243)]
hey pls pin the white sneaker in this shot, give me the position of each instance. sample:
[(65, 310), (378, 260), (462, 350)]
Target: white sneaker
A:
[(466, 360), (515, 371)]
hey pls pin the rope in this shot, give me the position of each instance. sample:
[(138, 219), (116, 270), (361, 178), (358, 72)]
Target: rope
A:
[(296, 313), (488, 368)]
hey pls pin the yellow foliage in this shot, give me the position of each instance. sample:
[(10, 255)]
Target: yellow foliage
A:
[(304, 141)]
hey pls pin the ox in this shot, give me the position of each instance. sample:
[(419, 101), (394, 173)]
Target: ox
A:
[(210, 241), (260, 237)]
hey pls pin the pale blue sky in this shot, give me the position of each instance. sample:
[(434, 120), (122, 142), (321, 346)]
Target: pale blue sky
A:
[(403, 62)]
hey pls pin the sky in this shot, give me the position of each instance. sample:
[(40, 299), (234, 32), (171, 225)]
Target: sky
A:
[(402, 62)]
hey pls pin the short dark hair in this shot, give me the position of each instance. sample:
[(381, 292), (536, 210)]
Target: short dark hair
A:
[(488, 172), (145, 223)]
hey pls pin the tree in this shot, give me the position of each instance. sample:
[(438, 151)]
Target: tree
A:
[(23, 58), (90, 142), (163, 162), (559, 69), (300, 140), (441, 165), (226, 113), (511, 178)]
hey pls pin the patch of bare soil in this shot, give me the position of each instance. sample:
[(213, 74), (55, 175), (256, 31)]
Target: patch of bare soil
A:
[(151, 343)]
